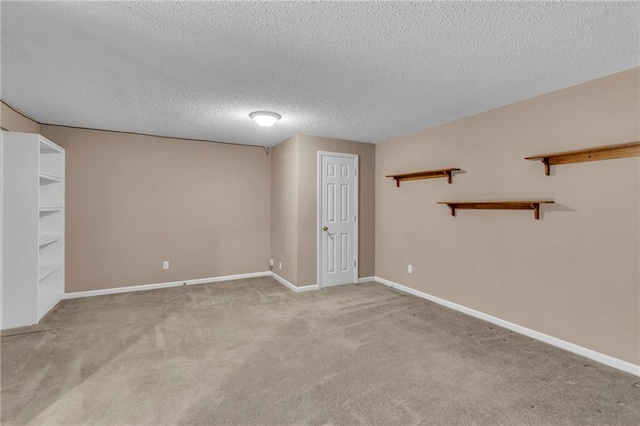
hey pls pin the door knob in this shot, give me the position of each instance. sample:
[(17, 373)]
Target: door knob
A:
[(325, 228)]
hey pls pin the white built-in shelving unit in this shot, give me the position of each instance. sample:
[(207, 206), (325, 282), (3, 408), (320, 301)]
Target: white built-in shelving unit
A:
[(33, 228)]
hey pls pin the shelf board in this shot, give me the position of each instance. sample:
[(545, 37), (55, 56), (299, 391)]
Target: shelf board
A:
[(49, 148), (45, 270), (425, 174), (50, 209), (498, 205), (590, 154), (48, 178), (48, 239)]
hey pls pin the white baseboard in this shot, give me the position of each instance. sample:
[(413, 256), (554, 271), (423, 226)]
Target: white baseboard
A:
[(144, 287), (568, 346), (311, 287), (293, 287)]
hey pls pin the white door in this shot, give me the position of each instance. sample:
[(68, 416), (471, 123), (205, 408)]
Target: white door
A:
[(338, 210)]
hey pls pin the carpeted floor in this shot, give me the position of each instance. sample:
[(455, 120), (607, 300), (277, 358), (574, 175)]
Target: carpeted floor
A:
[(252, 352)]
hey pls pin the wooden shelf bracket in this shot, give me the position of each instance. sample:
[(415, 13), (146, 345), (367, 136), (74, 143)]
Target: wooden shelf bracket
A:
[(425, 174), (590, 154), (497, 205)]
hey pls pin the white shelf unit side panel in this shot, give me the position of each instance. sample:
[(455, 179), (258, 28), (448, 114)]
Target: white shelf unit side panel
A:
[(20, 229), (1, 225)]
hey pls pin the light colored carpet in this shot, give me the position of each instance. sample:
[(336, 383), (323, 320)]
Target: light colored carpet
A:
[(252, 352)]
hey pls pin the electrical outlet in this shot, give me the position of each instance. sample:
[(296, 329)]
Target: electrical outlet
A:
[(165, 264), (271, 262), (410, 269), (280, 266)]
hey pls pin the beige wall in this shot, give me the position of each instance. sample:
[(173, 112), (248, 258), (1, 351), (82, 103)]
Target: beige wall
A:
[(108, 221), (284, 208), (295, 206), (574, 274), (14, 122), (134, 201), (308, 204)]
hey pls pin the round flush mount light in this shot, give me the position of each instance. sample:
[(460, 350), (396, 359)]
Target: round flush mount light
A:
[(265, 118)]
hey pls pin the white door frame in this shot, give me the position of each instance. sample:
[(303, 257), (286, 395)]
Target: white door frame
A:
[(356, 209)]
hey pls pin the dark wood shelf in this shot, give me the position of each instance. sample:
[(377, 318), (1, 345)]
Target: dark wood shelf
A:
[(497, 205), (425, 174), (590, 154)]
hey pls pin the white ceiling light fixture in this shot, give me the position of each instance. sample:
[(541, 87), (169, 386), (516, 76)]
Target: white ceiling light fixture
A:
[(265, 118)]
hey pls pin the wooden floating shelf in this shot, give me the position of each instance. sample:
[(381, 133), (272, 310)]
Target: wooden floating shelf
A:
[(497, 205), (425, 174), (590, 154)]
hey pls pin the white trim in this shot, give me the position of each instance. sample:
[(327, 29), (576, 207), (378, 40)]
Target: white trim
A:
[(145, 287), (293, 287), (356, 208), (366, 279), (319, 220), (1, 226), (554, 341)]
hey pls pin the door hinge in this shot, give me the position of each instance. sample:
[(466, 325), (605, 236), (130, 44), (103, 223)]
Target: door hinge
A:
[(354, 217), (355, 172), (354, 263)]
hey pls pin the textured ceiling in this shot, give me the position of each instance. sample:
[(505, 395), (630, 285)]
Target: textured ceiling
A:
[(362, 71)]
